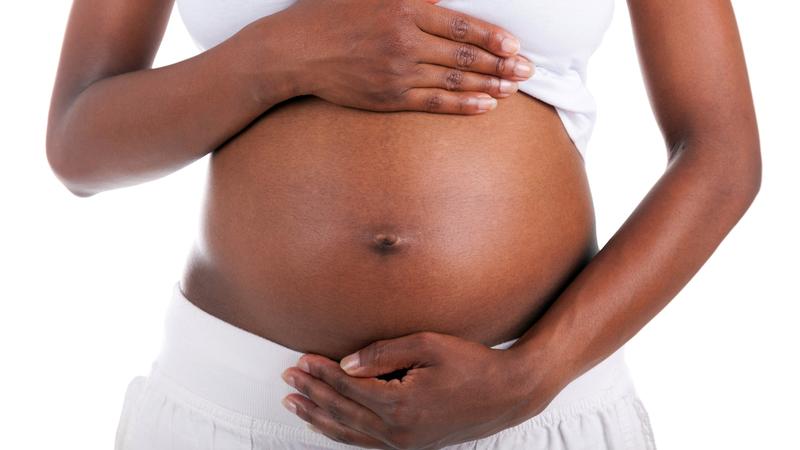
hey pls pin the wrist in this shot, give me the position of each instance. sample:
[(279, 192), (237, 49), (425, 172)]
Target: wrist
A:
[(275, 61), (536, 371)]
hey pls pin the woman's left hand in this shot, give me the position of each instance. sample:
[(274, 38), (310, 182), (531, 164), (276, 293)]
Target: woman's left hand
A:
[(454, 391)]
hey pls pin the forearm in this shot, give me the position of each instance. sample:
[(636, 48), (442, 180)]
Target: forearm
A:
[(703, 193), (134, 127)]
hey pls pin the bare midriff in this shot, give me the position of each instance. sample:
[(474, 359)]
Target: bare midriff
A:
[(326, 228)]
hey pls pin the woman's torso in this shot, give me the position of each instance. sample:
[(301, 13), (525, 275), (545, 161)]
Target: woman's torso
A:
[(326, 228)]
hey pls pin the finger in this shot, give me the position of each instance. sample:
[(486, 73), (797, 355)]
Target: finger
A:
[(387, 355), (435, 100), (373, 393), (435, 50), (433, 76), (327, 425), (460, 27), (340, 408)]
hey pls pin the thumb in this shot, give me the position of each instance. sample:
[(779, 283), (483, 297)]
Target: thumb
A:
[(387, 355)]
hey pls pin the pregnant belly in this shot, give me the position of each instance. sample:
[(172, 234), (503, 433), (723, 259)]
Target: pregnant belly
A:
[(326, 228)]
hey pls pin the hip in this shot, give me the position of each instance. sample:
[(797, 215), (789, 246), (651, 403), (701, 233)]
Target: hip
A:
[(217, 386)]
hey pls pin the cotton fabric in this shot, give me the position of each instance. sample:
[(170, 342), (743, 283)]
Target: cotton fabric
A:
[(558, 37), (217, 387)]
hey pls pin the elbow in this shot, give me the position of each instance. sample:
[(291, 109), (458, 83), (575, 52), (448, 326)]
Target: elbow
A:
[(756, 173), (741, 173), (745, 172), (66, 167), (744, 181), (731, 163)]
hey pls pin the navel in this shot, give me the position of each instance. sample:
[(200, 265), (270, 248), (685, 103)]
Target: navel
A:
[(386, 239), (386, 243)]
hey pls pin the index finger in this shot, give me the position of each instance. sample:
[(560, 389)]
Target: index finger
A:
[(373, 393), (461, 27)]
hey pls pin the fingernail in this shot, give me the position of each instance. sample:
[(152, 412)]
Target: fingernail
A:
[(510, 45), (508, 87), (290, 405), (303, 365), (349, 362), (288, 379), (486, 103), (522, 69)]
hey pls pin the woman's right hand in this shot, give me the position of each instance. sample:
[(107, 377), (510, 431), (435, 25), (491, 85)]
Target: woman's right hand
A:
[(394, 55)]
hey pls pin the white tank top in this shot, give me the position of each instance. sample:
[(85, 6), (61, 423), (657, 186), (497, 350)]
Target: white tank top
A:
[(558, 36)]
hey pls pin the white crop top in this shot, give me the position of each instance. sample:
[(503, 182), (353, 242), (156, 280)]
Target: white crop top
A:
[(558, 36)]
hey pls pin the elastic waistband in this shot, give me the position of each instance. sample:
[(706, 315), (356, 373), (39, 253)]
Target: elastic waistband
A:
[(223, 366)]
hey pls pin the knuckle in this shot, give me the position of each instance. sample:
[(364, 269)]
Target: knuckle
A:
[(454, 79), (341, 385), (501, 65), (361, 416), (395, 70), (403, 97), (459, 27), (462, 106), (466, 55), (417, 71), (391, 97), (335, 409), (433, 103), (490, 37), (377, 97), (490, 84), (402, 8), (397, 43), (388, 97), (397, 411), (404, 75), (372, 354), (388, 81)]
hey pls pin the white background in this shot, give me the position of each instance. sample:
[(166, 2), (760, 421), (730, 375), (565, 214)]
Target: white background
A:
[(84, 281)]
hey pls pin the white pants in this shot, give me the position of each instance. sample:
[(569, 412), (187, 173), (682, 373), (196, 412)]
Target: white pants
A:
[(216, 386)]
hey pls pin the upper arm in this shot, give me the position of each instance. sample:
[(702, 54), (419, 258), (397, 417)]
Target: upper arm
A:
[(694, 70), (104, 38)]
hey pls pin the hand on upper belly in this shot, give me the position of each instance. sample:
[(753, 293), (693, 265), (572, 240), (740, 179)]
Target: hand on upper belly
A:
[(450, 390)]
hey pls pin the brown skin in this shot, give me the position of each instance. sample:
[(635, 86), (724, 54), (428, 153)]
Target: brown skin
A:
[(390, 62), (461, 191), (442, 326), (457, 391), (115, 122)]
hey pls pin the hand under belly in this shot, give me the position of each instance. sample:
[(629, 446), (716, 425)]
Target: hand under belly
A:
[(326, 228)]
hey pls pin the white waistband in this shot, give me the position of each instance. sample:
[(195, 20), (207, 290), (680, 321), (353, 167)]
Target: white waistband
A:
[(223, 366)]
